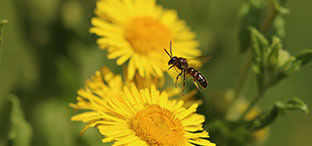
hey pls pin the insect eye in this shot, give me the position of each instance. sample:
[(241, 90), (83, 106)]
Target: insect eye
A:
[(170, 61)]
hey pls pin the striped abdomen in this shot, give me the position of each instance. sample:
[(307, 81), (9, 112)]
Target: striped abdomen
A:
[(197, 76)]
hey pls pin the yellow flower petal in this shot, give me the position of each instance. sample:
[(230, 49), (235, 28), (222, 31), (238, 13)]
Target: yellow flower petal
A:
[(146, 117), (138, 30)]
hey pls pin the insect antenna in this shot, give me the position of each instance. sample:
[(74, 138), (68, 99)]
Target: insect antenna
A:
[(168, 53), (171, 48)]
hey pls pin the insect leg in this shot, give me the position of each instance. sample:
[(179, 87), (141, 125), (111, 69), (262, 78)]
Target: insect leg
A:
[(171, 67), (178, 78), (176, 69), (183, 82)]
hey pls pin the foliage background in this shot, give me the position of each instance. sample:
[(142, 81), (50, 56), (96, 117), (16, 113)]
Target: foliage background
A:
[(49, 53)]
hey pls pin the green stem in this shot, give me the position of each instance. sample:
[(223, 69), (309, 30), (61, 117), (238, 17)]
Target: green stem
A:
[(245, 70), (243, 74), (272, 12), (264, 29), (2, 22)]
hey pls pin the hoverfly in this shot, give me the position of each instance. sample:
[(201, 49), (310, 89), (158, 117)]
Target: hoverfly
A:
[(182, 64)]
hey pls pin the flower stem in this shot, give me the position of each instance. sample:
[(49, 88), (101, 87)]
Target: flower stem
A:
[(2, 22), (243, 75), (272, 12)]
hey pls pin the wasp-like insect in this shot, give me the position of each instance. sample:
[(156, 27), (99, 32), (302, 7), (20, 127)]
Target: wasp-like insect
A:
[(182, 64)]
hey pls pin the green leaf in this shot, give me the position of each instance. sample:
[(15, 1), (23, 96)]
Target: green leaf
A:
[(278, 10), (20, 130), (280, 6), (251, 16), (273, 54), (278, 27), (297, 104), (294, 64), (259, 49), (278, 110), (304, 57), (272, 63), (286, 65)]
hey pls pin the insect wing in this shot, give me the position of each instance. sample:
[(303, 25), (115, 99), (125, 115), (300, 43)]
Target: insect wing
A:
[(202, 59), (198, 61)]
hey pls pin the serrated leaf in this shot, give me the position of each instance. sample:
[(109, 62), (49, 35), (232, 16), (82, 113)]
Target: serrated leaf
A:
[(278, 110), (259, 49), (297, 104), (20, 130), (272, 63), (258, 38), (273, 54), (251, 16)]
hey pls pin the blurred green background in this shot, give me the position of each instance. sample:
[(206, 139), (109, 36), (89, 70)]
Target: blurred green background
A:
[(48, 53)]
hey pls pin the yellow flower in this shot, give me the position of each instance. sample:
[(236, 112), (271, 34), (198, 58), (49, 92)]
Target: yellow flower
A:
[(144, 117), (103, 84), (146, 83), (189, 99), (107, 84), (137, 31)]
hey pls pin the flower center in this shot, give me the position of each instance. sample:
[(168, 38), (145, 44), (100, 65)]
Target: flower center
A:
[(147, 34), (158, 127)]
